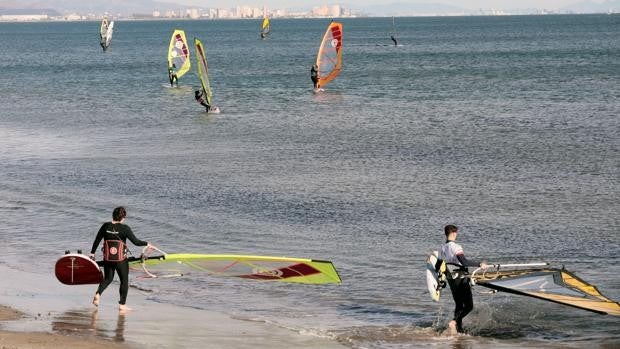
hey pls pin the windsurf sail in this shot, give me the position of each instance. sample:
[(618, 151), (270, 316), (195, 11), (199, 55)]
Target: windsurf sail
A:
[(203, 70), (552, 284), (265, 28), (329, 58), (108, 36), (262, 268), (105, 33), (178, 53)]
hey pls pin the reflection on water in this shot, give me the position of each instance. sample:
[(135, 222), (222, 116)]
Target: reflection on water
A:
[(86, 322)]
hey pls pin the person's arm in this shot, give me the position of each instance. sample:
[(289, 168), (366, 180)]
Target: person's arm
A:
[(467, 262), (134, 239), (98, 239)]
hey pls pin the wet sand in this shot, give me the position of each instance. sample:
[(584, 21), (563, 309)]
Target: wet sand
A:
[(40, 312), (43, 340)]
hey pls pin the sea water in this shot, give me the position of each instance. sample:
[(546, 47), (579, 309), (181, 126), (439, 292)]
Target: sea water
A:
[(505, 126)]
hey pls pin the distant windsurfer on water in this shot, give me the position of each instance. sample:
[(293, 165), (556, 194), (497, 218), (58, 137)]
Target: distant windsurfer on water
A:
[(458, 277), (314, 75), (394, 39), (200, 98), (172, 74)]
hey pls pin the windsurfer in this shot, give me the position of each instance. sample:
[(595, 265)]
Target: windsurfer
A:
[(172, 74), (114, 235), (314, 75), (200, 98), (458, 279), (394, 39)]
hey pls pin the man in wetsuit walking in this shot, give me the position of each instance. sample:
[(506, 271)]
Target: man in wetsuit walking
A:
[(452, 253), (114, 235)]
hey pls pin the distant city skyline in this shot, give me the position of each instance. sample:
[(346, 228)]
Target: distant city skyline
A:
[(360, 4), (227, 9)]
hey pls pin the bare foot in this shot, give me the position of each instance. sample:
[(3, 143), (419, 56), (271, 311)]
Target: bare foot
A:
[(452, 327), (96, 300), (122, 308)]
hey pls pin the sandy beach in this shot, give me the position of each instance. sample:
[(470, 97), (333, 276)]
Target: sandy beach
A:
[(39, 312), (43, 340)]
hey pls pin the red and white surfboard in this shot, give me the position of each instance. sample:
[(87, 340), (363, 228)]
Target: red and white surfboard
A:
[(77, 269)]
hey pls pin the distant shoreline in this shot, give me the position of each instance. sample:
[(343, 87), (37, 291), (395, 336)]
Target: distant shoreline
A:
[(133, 19)]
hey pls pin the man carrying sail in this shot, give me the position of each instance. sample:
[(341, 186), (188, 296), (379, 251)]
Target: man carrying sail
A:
[(458, 277)]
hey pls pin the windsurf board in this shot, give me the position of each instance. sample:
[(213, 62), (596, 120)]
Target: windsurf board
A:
[(435, 275), (77, 269)]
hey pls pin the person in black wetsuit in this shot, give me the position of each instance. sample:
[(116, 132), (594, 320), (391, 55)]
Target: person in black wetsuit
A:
[(314, 75), (452, 253), (172, 74), (200, 98), (114, 235), (394, 39)]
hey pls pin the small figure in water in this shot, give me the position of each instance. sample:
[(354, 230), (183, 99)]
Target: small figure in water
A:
[(394, 39), (262, 35), (200, 98), (314, 75), (172, 74)]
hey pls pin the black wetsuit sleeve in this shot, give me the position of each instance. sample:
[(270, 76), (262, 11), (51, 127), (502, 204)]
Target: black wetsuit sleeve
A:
[(98, 238), (466, 262), (133, 238)]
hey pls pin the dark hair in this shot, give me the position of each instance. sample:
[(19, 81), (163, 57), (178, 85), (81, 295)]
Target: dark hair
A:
[(450, 229), (119, 213)]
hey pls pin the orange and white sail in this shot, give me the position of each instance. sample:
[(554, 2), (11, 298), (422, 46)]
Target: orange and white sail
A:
[(329, 58)]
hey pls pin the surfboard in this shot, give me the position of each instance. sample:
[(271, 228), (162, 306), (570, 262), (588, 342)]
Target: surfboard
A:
[(435, 278), (77, 269)]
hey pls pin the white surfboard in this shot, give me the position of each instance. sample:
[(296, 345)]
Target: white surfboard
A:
[(435, 278)]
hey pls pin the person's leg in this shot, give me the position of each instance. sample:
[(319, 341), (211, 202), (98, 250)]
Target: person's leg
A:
[(122, 268), (466, 303), (452, 325), (108, 272)]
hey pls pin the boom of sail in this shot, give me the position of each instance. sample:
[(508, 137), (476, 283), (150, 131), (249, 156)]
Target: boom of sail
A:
[(552, 284), (329, 57), (178, 53), (262, 268), (203, 70)]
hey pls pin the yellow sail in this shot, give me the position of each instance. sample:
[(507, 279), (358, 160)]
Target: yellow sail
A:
[(203, 69), (265, 28), (178, 53), (262, 268)]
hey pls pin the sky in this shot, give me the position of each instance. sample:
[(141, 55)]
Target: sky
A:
[(471, 4)]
